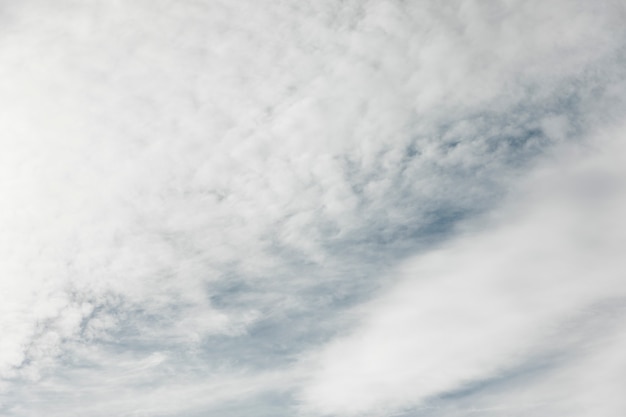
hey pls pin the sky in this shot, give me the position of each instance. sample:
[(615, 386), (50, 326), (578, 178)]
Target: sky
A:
[(329, 208)]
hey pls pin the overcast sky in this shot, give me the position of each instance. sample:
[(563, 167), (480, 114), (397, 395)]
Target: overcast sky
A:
[(329, 208)]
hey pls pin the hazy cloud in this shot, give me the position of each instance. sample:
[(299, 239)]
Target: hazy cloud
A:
[(250, 207), (486, 303)]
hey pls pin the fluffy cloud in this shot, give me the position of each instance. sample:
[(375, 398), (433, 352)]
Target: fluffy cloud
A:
[(214, 182), (490, 303)]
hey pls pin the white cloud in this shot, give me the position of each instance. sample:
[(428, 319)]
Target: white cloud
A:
[(486, 302), (174, 174)]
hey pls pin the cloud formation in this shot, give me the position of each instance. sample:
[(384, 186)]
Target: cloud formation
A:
[(211, 205), (491, 303)]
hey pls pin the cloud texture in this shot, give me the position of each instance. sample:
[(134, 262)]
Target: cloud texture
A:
[(319, 208), (490, 305)]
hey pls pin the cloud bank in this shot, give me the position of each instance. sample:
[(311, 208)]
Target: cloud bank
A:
[(317, 208)]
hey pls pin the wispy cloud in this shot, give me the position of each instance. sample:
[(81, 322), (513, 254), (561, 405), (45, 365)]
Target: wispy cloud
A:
[(490, 301), (200, 198)]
